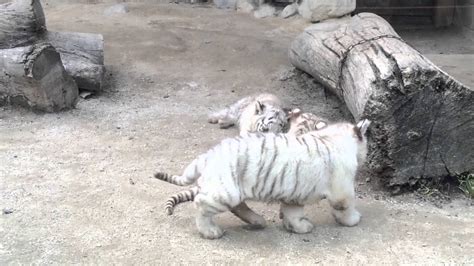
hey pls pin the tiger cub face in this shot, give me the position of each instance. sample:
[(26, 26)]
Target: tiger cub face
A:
[(301, 123), (263, 117)]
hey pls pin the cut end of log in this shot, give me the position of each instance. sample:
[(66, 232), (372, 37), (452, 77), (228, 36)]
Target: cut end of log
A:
[(34, 77)]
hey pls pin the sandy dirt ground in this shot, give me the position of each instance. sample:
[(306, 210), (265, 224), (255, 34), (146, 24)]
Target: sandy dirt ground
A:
[(75, 186)]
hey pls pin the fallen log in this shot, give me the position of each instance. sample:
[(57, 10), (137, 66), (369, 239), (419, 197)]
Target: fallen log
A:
[(82, 55), (423, 119), (33, 76), (22, 23)]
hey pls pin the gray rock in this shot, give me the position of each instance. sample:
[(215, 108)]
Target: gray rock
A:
[(226, 4), (317, 10), (289, 10), (116, 9), (245, 6), (265, 11)]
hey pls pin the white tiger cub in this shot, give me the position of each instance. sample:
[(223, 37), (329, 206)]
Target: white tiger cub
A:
[(299, 123), (294, 170), (260, 113)]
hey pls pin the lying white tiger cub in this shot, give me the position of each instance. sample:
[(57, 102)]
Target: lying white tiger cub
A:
[(294, 170), (258, 113)]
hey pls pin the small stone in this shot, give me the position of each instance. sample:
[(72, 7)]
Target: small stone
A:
[(306, 240), (116, 9), (289, 10), (376, 197), (367, 180), (265, 11), (225, 4), (131, 181), (245, 6), (166, 96), (7, 211), (318, 10)]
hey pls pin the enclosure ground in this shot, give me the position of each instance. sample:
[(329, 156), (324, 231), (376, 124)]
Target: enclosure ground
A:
[(75, 186)]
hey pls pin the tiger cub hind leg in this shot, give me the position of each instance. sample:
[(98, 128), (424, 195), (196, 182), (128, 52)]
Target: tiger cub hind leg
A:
[(344, 212), (253, 220), (223, 119), (294, 219), (342, 200), (207, 207)]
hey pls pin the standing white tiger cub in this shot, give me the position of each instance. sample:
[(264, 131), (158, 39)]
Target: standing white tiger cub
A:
[(294, 170), (260, 113), (299, 123)]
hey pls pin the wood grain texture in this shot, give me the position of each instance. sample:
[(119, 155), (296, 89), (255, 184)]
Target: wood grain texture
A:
[(34, 77), (82, 55), (423, 119), (22, 23)]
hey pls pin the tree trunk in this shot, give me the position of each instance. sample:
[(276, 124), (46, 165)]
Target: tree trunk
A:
[(423, 119), (33, 76)]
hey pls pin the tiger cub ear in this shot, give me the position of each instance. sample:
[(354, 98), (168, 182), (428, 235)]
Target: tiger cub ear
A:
[(293, 113), (361, 128), (259, 108)]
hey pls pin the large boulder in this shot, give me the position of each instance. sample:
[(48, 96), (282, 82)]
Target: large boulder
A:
[(317, 10)]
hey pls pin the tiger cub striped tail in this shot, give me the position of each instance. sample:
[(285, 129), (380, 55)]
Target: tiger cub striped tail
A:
[(190, 175), (173, 179), (180, 197)]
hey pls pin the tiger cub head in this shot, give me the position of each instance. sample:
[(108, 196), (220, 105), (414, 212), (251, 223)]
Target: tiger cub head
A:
[(360, 134), (301, 123), (268, 118)]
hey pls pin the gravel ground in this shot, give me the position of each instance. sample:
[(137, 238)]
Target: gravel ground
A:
[(75, 186)]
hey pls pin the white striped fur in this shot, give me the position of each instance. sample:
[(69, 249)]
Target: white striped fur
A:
[(285, 168), (260, 113), (300, 123)]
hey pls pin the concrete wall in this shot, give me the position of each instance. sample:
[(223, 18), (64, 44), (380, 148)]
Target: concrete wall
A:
[(464, 17), (464, 14)]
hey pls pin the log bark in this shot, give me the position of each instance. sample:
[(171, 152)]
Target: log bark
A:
[(22, 23), (423, 119), (34, 77), (82, 55)]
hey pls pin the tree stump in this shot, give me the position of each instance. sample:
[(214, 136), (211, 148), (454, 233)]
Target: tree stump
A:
[(423, 119), (22, 25)]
